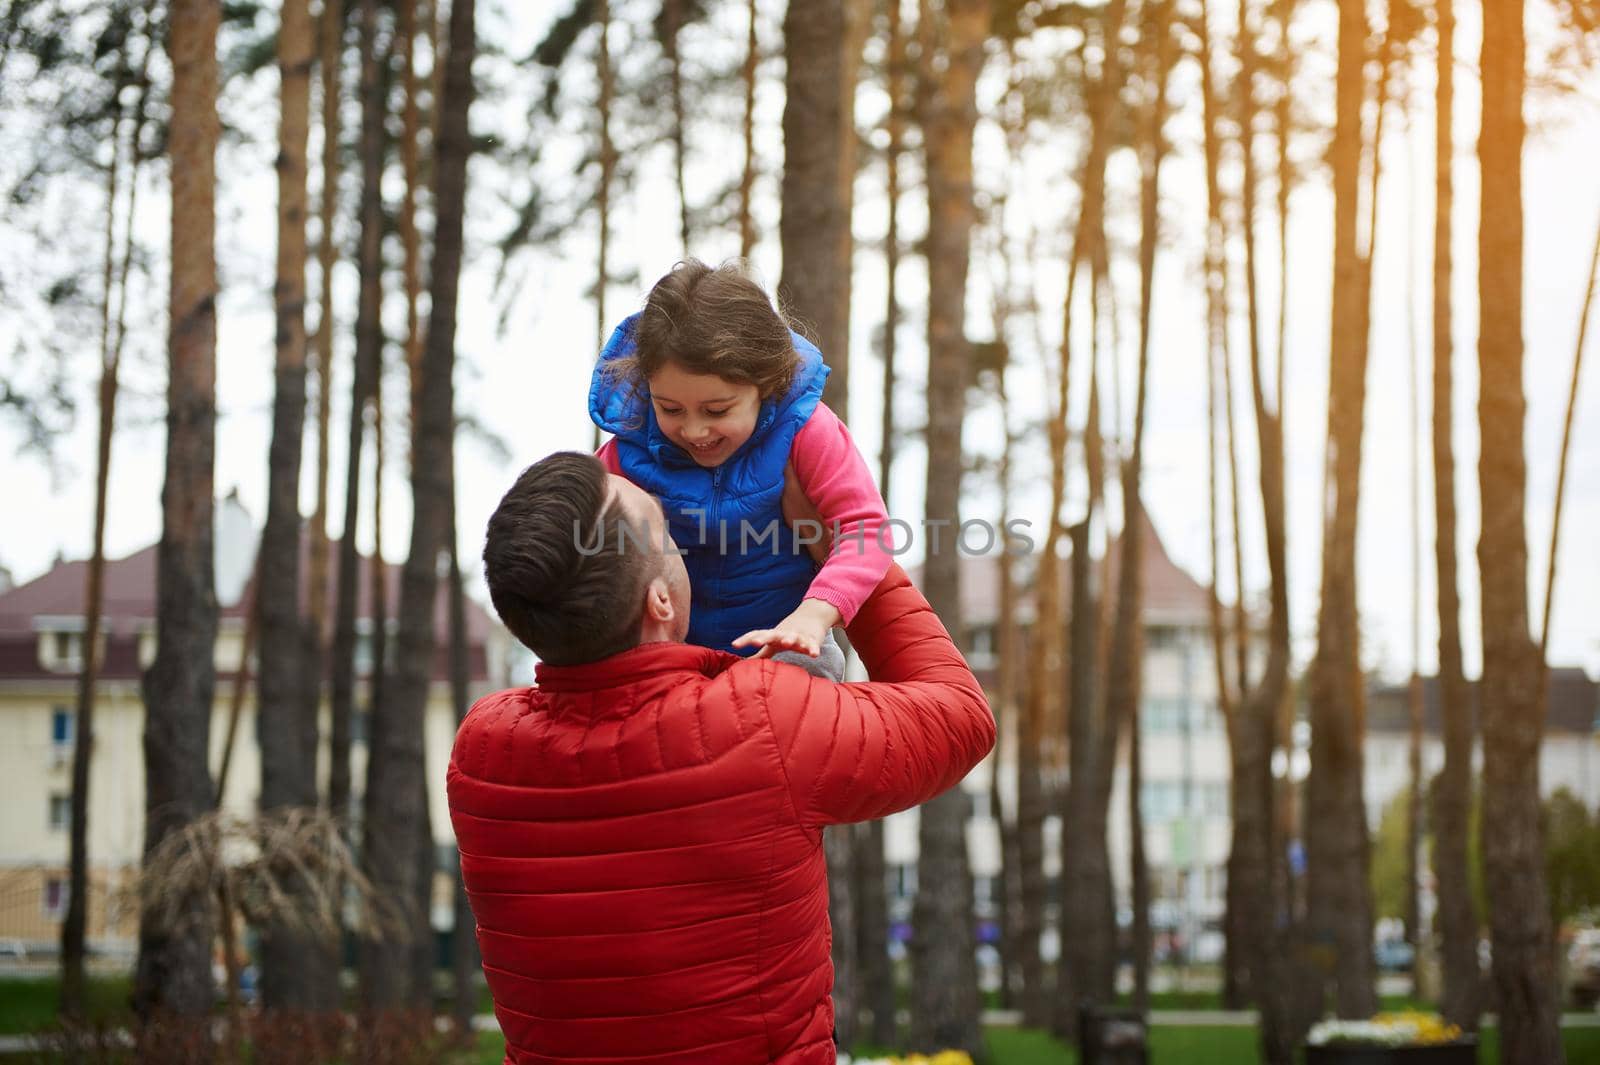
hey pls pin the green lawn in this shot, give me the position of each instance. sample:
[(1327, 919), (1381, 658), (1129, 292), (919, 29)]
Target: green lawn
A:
[(30, 1005)]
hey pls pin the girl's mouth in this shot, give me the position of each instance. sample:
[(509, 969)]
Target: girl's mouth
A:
[(706, 449)]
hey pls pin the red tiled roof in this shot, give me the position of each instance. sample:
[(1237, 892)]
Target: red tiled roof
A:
[(1169, 591), (1572, 704), (129, 608)]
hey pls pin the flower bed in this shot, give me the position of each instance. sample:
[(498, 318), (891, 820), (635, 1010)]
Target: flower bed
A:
[(944, 1057), (1408, 1038)]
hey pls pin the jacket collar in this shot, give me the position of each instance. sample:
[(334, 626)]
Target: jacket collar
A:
[(633, 665), (623, 410)]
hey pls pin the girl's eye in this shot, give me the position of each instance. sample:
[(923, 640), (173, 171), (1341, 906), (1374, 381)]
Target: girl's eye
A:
[(671, 412), (717, 413)]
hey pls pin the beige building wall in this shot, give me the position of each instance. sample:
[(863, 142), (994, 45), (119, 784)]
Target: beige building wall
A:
[(36, 776)]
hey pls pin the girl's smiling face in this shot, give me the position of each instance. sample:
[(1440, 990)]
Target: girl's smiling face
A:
[(706, 415)]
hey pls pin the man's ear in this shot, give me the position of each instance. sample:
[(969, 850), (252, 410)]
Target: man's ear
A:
[(658, 601)]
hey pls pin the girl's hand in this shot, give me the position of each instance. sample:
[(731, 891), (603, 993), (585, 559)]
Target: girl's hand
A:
[(802, 631), (797, 507)]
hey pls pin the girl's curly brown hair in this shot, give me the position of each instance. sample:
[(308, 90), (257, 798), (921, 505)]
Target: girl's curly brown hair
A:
[(711, 320)]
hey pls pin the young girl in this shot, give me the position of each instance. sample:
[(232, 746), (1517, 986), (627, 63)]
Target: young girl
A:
[(710, 397)]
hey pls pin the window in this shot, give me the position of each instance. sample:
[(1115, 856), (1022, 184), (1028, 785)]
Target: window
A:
[(56, 893), (1163, 715), (1157, 637), (981, 646), (60, 812), (1161, 800), (61, 726)]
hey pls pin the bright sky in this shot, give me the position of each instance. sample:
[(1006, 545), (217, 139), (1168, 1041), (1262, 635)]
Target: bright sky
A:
[(528, 383)]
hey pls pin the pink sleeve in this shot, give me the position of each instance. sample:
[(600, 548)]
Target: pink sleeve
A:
[(608, 457), (833, 475)]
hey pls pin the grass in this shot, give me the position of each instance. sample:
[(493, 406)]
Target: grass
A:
[(30, 1005)]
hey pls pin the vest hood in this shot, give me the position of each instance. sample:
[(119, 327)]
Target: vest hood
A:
[(623, 409)]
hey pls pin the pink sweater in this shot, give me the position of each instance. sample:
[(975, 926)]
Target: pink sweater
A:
[(833, 475)]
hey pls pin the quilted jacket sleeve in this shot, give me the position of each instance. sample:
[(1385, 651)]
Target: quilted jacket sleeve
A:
[(853, 752)]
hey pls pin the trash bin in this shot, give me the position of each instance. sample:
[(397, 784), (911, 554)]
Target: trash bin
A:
[(1109, 1036)]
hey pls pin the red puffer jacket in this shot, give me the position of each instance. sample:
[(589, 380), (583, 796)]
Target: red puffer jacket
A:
[(641, 837)]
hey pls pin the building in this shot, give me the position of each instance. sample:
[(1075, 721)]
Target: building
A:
[(41, 650), (1569, 757), (1185, 759)]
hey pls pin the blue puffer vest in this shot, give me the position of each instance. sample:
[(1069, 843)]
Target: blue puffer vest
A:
[(734, 586)]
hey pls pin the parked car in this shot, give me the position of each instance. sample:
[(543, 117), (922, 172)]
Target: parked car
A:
[(1393, 955), (1583, 969)]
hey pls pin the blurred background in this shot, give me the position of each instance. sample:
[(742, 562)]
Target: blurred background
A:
[(1266, 321)]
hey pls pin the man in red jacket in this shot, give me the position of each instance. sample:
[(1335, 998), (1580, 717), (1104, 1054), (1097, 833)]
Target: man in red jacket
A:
[(641, 831)]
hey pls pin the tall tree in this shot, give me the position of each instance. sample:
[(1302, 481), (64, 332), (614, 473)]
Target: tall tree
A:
[(114, 290), (465, 960), (173, 973), (747, 176), (397, 760), (286, 731), (1339, 898), (1042, 686), (1452, 798), (1258, 903), (323, 967), (1566, 447), (944, 999), (608, 164), (410, 167), (1415, 785), (1219, 357), (1127, 648), (872, 910), (822, 42), (1509, 694), (369, 345), (1088, 939), (669, 23)]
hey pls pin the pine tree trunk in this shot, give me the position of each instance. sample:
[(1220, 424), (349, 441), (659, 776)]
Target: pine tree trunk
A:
[(397, 760), (1085, 939), (1236, 970), (465, 961), (286, 733), (671, 25), (872, 910), (944, 998), (73, 927), (369, 343), (1157, 59), (823, 43), (1339, 896), (1457, 921), (747, 178), (410, 239), (1512, 712), (173, 972), (1088, 941), (324, 965)]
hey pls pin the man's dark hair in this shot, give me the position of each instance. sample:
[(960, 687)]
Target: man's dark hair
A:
[(566, 568)]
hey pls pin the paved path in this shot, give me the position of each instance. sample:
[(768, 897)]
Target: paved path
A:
[(485, 1022)]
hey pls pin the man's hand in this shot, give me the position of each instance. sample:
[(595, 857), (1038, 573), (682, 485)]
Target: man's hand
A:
[(803, 631), (797, 508)]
